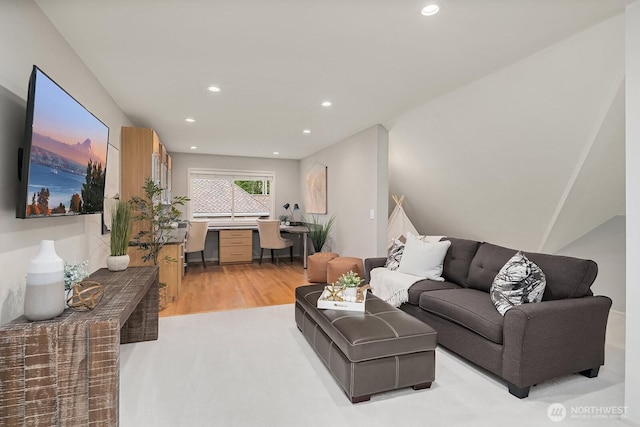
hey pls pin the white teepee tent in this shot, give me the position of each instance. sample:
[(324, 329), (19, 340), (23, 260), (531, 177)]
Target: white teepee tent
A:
[(399, 223)]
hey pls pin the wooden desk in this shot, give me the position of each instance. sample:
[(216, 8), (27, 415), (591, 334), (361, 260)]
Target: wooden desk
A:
[(303, 232), (66, 371), (300, 230)]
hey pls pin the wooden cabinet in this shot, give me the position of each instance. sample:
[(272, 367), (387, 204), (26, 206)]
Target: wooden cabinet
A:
[(235, 246), (170, 271), (143, 156)]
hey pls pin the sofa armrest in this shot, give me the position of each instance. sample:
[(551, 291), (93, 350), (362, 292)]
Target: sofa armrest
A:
[(370, 264), (552, 338)]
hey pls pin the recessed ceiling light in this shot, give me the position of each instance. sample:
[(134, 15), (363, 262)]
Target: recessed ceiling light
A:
[(306, 131), (431, 9), (190, 120), (193, 147), (326, 104), (276, 152), (213, 89)]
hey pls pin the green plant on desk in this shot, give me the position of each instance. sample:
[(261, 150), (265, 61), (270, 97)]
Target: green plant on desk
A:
[(157, 219)]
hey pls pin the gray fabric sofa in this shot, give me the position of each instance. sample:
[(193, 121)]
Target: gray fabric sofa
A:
[(563, 334)]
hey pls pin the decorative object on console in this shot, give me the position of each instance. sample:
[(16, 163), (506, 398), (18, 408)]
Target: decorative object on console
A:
[(73, 273), (424, 259), (85, 295), (519, 281), (118, 259), (44, 295)]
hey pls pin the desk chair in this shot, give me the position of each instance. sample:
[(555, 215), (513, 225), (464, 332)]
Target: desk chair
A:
[(196, 237), (270, 238)]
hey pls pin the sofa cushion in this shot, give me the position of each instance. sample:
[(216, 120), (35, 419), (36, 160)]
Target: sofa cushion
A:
[(427, 285), (469, 308), (567, 277), (395, 255), (519, 281), (423, 259), (458, 260)]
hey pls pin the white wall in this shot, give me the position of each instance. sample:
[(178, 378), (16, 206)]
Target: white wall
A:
[(606, 246), (632, 346), (497, 160), (26, 38), (357, 182)]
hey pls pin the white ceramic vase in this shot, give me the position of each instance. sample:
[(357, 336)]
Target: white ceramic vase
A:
[(118, 263), (44, 295)]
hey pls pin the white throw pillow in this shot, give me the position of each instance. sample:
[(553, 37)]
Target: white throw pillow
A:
[(423, 259)]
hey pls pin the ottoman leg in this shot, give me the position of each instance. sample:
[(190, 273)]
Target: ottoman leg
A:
[(358, 399), (421, 386)]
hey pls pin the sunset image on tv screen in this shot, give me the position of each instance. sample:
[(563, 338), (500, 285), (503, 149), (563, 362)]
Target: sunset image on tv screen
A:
[(68, 155)]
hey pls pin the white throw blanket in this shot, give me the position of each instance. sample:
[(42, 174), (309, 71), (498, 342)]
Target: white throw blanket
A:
[(391, 285)]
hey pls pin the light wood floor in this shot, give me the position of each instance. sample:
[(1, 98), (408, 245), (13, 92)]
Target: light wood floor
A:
[(231, 287)]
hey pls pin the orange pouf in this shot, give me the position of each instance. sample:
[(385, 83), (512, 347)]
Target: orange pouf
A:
[(341, 265), (317, 266)]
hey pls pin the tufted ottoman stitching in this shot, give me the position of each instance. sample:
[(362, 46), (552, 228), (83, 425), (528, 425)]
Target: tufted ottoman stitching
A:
[(379, 350)]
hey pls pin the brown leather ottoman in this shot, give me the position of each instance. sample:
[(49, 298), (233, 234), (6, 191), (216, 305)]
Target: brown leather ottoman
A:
[(379, 350), (341, 265), (317, 268)]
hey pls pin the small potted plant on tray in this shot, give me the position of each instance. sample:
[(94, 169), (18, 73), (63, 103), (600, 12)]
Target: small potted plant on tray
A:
[(350, 281)]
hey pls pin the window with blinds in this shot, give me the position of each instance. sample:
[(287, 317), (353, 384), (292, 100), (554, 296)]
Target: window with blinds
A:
[(230, 196)]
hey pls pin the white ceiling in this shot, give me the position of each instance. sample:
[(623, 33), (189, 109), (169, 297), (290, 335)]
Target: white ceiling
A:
[(277, 60)]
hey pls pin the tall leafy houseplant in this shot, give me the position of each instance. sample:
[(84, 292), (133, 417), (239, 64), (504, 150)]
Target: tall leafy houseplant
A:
[(319, 232), (156, 219), (120, 234)]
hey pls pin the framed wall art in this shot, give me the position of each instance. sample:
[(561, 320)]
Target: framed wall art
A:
[(316, 185)]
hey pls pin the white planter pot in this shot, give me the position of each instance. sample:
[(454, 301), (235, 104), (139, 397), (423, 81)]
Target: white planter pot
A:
[(350, 292), (117, 263)]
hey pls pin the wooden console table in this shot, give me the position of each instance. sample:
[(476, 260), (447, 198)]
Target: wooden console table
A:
[(66, 371)]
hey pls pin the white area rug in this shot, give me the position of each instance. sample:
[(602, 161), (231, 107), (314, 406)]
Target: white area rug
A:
[(255, 368)]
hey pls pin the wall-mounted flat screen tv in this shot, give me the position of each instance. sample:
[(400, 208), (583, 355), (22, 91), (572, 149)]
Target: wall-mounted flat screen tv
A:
[(62, 163)]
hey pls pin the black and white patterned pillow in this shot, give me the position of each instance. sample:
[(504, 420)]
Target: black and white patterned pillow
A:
[(519, 281), (395, 255)]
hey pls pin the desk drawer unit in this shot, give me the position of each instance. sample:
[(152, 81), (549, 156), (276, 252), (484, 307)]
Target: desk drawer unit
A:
[(235, 246)]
